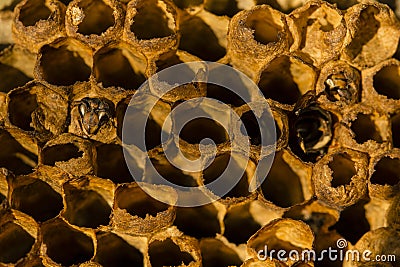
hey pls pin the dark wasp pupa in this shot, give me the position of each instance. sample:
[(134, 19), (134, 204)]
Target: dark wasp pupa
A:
[(310, 128), (93, 112)]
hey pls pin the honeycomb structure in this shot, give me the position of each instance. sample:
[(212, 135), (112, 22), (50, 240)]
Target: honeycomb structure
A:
[(68, 69)]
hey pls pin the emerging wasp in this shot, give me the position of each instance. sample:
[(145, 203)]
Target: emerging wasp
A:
[(93, 113)]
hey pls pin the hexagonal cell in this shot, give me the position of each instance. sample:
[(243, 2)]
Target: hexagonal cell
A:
[(61, 152), (137, 202), (63, 63), (112, 250), (386, 82), (11, 78), (198, 129), (15, 243), (282, 186), (20, 109), (152, 21), (167, 253), (365, 129), (86, 208), (283, 80), (98, 17), (386, 172), (120, 67), (214, 253), (36, 198), (342, 169), (352, 223), (65, 245), (234, 220), (200, 40), (14, 157), (111, 164), (191, 221), (33, 11), (265, 27)]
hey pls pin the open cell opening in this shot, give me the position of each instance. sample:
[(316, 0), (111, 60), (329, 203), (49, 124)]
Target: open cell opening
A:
[(367, 28), (224, 95), (282, 185), (387, 82), (173, 174), (60, 153), (252, 128), (117, 67), (343, 169), (86, 208), (111, 164), (199, 39), (222, 7), (138, 203), (14, 157), (66, 245), (364, 129), (214, 253), (395, 123), (278, 81), (168, 61), (192, 220), (37, 199), (234, 220), (112, 251), (152, 135), (20, 108), (151, 21), (216, 171), (98, 17), (62, 66), (264, 25), (167, 253), (11, 78), (33, 11), (386, 172), (15, 243), (352, 223), (200, 128)]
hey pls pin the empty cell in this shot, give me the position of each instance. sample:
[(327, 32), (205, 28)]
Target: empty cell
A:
[(152, 21), (342, 169), (15, 243), (34, 11), (20, 108), (62, 66), (167, 253), (98, 17), (172, 173), (278, 81), (11, 78), (395, 123), (37, 199), (265, 27), (86, 208), (137, 202), (112, 251), (352, 223), (214, 253), (65, 245), (14, 157), (200, 128), (61, 152), (365, 129), (199, 39), (216, 171), (387, 82), (252, 127), (111, 164), (386, 172), (192, 220), (120, 68), (234, 221), (222, 7), (282, 185)]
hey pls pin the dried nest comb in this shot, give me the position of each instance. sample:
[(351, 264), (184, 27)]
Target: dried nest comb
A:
[(68, 69)]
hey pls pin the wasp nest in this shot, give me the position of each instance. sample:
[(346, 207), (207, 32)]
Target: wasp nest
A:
[(69, 68)]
